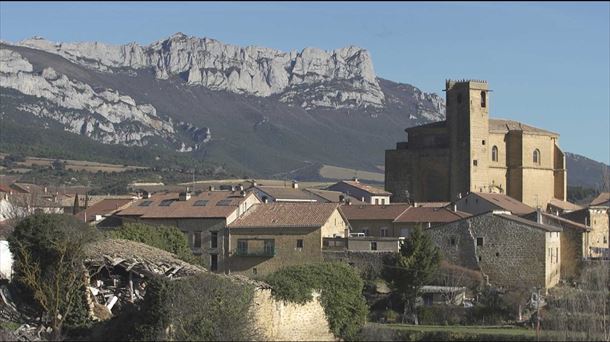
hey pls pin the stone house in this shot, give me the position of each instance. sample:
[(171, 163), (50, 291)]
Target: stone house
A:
[(374, 220), (510, 251), (597, 219), (574, 242), (295, 194), (363, 192), (103, 209), (470, 151), (274, 235), (481, 202), (202, 216)]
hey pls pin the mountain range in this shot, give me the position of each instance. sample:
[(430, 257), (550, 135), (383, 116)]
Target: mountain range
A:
[(255, 111)]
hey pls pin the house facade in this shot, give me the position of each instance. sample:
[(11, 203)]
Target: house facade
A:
[(363, 192), (510, 251), (274, 235)]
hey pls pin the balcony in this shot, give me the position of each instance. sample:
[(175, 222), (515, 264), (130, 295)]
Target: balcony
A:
[(267, 252)]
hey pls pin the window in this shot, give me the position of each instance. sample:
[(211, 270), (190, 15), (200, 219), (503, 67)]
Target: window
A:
[(197, 243), (536, 156), (213, 262), (269, 247), (479, 258), (497, 254), (242, 246), (376, 200), (254, 271), (452, 241), (166, 203), (479, 241), (373, 245), (384, 232), (483, 142), (213, 239), (300, 243), (200, 203), (483, 99), (224, 202), (474, 162), (494, 153), (145, 203)]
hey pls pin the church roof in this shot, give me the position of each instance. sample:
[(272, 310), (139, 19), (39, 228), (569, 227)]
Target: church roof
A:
[(504, 126)]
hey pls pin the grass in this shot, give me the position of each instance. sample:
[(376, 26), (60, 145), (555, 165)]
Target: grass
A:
[(495, 330), (335, 172)]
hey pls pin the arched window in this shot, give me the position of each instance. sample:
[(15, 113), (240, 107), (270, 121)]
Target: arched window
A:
[(494, 153), (483, 99), (536, 156)]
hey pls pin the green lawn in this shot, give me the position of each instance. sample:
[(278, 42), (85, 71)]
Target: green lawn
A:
[(495, 330)]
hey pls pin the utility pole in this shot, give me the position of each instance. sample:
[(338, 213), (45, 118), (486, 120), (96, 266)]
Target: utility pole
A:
[(538, 315)]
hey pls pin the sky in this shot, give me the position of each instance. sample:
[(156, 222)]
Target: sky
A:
[(548, 64)]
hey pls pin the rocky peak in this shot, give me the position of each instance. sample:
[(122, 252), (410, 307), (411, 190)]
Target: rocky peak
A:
[(248, 70)]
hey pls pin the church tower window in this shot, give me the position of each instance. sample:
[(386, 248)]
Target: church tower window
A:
[(536, 156), (483, 99), (494, 153)]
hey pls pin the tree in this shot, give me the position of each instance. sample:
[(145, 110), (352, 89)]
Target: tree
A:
[(411, 268), (167, 238), (48, 251)]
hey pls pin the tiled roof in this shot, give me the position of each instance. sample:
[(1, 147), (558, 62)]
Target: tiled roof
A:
[(602, 199), (532, 224), (289, 193), (565, 205), (281, 215), (103, 207), (431, 204), (505, 202), (5, 188), (430, 214), (501, 125), (373, 212), (565, 222), (333, 196), (166, 205), (365, 187)]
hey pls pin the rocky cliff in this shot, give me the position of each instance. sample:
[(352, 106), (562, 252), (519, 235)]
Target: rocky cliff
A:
[(346, 76)]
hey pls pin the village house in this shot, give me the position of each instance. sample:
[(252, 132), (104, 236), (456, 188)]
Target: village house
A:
[(373, 220), (574, 242), (425, 217), (510, 251), (274, 235), (597, 219), (481, 202), (559, 207), (602, 200), (295, 194), (363, 192), (202, 216)]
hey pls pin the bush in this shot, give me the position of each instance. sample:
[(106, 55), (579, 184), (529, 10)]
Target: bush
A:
[(340, 290), (205, 307), (167, 238)]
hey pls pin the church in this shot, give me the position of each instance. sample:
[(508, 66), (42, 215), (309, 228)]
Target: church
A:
[(471, 152)]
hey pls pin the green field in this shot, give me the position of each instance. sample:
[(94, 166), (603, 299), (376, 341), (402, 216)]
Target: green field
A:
[(479, 330)]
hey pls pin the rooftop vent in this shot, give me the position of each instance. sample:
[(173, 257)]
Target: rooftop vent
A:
[(295, 184)]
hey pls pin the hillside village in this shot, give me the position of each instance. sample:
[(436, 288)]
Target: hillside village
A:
[(490, 194)]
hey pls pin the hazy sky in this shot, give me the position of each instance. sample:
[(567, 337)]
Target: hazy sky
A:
[(548, 63)]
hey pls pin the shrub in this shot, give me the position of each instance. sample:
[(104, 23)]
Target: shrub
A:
[(340, 290), (167, 238), (205, 307)]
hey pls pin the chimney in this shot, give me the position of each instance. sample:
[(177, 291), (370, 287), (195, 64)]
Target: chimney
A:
[(265, 199), (185, 196), (295, 184), (240, 187), (341, 198), (211, 188), (355, 179), (454, 207), (242, 193), (538, 215), (146, 195)]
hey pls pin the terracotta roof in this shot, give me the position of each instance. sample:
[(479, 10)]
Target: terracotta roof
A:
[(430, 214), (220, 204), (565, 205), (532, 224), (103, 207), (333, 196), (282, 215), (373, 212), (502, 125), (365, 187), (505, 202), (602, 199), (289, 193), (5, 188)]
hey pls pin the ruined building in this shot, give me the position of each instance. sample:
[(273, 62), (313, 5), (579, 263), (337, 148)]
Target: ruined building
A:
[(470, 152)]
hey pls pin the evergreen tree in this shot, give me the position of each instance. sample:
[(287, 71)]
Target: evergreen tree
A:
[(411, 268)]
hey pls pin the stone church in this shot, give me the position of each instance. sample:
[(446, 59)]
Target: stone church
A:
[(470, 152)]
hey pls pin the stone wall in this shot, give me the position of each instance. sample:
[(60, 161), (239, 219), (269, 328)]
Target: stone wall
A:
[(369, 264), (285, 321)]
